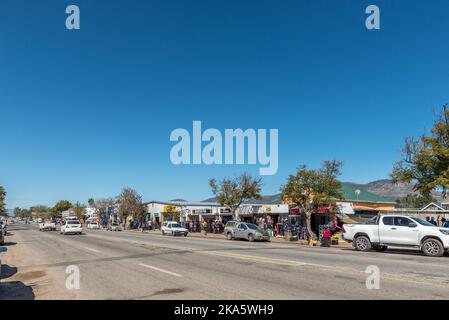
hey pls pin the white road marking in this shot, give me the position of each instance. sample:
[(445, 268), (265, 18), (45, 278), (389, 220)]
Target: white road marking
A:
[(161, 270), (90, 249)]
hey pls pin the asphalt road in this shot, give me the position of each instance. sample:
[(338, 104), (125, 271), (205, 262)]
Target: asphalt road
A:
[(130, 265)]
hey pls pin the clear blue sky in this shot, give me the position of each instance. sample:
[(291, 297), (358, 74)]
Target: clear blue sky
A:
[(84, 113)]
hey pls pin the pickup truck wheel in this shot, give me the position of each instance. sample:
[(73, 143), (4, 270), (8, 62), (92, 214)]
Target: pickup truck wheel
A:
[(229, 236), (362, 243), (380, 248), (432, 248)]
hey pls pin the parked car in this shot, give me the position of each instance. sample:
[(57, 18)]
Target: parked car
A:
[(3, 226), (47, 225), (93, 225), (173, 228), (244, 230), (395, 230), (71, 226), (2, 236), (230, 225), (114, 227)]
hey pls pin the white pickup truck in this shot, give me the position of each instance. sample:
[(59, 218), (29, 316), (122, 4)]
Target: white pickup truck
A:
[(396, 230), (47, 225)]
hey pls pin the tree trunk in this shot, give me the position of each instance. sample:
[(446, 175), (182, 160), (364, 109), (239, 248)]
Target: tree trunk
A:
[(310, 234)]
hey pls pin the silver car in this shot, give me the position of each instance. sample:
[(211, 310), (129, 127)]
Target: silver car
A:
[(244, 230)]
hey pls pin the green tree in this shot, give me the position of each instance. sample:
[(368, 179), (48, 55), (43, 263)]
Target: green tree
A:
[(59, 207), (414, 201), (232, 192), (17, 212), (130, 204), (41, 211), (91, 202), (3, 211), (311, 188), (425, 161)]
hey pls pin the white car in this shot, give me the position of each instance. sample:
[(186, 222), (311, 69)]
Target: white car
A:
[(396, 230), (71, 226), (93, 225), (47, 225), (173, 228)]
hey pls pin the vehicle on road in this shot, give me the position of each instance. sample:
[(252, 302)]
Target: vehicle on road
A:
[(244, 230), (173, 228), (396, 230), (4, 228), (114, 227), (2, 236), (71, 226), (93, 225), (47, 225)]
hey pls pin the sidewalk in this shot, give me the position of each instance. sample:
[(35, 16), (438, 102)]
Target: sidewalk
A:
[(341, 243)]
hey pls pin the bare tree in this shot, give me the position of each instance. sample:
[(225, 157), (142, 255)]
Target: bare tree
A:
[(130, 204), (232, 192)]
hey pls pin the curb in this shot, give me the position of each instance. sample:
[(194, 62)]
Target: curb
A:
[(341, 245)]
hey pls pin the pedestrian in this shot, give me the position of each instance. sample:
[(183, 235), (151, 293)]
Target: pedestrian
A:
[(432, 221), (445, 223)]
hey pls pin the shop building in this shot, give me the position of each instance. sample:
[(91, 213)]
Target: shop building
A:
[(363, 203), (160, 211)]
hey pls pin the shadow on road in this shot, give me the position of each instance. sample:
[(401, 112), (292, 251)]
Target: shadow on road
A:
[(398, 251), (15, 290), (7, 271), (8, 244)]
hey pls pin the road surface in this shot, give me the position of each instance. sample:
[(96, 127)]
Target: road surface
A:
[(131, 265)]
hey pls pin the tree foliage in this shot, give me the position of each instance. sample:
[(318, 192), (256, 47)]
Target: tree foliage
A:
[(414, 201), (425, 161), (78, 209), (232, 192), (41, 211), (3, 211), (130, 204), (22, 213), (312, 188), (59, 207)]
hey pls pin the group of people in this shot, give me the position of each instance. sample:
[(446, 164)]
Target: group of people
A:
[(439, 222), (214, 226)]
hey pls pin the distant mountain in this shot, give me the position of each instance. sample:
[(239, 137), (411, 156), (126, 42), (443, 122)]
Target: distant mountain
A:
[(384, 187), (388, 189), (178, 200)]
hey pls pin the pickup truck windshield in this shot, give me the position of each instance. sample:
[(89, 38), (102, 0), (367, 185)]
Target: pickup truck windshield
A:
[(423, 222)]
